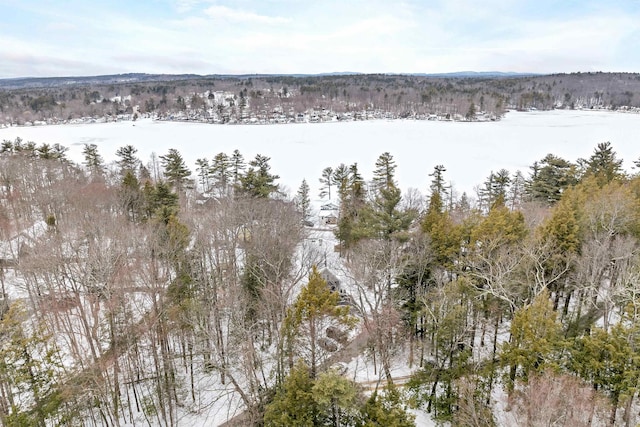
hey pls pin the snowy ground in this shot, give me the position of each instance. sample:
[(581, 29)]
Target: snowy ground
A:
[(469, 151)]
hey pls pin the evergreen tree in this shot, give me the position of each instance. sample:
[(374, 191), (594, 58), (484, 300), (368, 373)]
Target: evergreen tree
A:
[(535, 340), (128, 161), (383, 218), (222, 172), (28, 149), (384, 172), (29, 368), (60, 152), (159, 201), (336, 398), (258, 181), (437, 183), (203, 168), (603, 164), (315, 306), (303, 202), (326, 181), (561, 232), (471, 113), (237, 166), (352, 201), (610, 361), (6, 147), (549, 178), (93, 160), (385, 410), (340, 179), (44, 152), (500, 227), (131, 196), (495, 188), (293, 404), (356, 185), (175, 169), (516, 192), (446, 237)]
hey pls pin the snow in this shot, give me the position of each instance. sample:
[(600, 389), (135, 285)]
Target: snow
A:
[(469, 150)]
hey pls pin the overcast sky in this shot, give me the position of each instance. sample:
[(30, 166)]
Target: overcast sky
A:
[(79, 37)]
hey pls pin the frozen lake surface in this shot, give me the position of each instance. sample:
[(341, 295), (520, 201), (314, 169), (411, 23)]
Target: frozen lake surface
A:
[(469, 151)]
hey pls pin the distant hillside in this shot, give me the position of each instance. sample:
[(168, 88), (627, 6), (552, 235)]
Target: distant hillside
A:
[(235, 98)]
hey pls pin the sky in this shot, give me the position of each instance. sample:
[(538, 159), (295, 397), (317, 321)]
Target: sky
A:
[(49, 38)]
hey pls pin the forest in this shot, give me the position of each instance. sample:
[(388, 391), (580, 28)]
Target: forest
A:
[(233, 99), (147, 294)]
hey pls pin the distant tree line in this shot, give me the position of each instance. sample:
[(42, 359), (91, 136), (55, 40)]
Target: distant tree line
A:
[(195, 97)]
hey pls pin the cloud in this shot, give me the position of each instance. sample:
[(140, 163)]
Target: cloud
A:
[(169, 62), (60, 26), (27, 65), (289, 36), (224, 13)]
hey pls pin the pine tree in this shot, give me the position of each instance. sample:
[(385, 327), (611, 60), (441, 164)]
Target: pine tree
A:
[(175, 169), (303, 202), (293, 404), (500, 227), (356, 186), (237, 166), (60, 152), (603, 164), (203, 168), (437, 183), (159, 201), (550, 177), (445, 236), (385, 410), (44, 152), (131, 196), (326, 181), (258, 181), (341, 181), (495, 188), (383, 218), (609, 361), (515, 196), (384, 172), (471, 113), (221, 172), (352, 201), (93, 160), (128, 161), (29, 367), (563, 235), (336, 398), (535, 340), (6, 147), (315, 305)]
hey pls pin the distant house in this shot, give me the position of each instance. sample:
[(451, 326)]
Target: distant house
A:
[(335, 285), (12, 249), (332, 281), (330, 219), (329, 207)]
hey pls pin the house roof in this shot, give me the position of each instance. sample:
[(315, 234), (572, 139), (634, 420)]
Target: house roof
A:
[(10, 249), (329, 207)]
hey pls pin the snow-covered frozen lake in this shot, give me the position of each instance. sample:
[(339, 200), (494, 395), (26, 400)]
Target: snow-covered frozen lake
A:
[(469, 151)]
